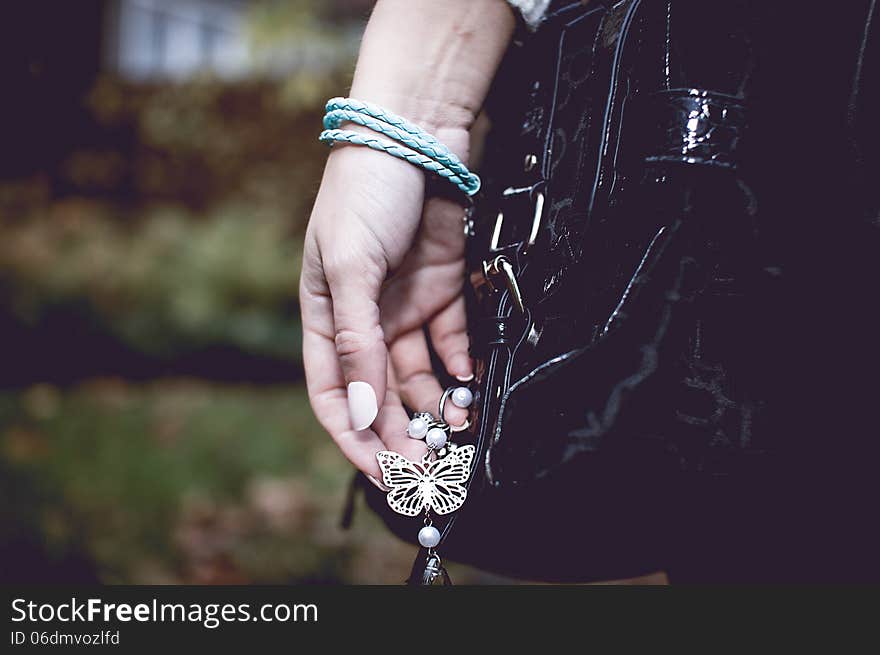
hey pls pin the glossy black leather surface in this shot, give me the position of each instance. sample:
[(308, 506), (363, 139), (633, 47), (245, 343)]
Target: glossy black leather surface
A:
[(692, 387)]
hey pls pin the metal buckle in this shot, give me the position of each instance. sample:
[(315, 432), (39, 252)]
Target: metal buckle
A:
[(537, 216), (497, 273)]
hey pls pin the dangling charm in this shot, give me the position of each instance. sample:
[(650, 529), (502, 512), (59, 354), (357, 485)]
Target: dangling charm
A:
[(434, 569), (433, 484), (436, 438), (429, 536), (462, 397), (419, 425), (437, 483)]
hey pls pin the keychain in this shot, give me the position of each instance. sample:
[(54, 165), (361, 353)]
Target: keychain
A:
[(437, 484)]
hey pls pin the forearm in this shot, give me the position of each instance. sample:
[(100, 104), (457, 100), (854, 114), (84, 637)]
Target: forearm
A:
[(432, 61)]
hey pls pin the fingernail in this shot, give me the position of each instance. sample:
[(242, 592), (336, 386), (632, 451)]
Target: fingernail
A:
[(376, 482), (460, 367), (362, 407)]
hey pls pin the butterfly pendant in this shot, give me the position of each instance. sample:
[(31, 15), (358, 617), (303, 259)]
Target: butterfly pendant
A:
[(437, 485)]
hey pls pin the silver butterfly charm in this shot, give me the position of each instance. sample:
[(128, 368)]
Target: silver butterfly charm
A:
[(437, 485)]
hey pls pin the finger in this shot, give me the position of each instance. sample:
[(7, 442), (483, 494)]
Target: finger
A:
[(391, 426), (417, 384), (324, 377), (414, 295), (432, 274), (358, 337), (448, 331), (326, 389)]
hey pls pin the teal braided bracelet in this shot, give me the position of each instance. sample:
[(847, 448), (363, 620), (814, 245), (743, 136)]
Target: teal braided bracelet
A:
[(385, 116), (419, 147), (347, 106), (401, 152), (417, 142)]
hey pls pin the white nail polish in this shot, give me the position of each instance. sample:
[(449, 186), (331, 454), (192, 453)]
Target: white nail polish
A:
[(362, 407), (464, 378)]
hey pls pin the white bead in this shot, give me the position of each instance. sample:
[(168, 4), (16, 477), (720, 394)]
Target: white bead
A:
[(436, 438), (429, 536), (417, 428), (462, 397)]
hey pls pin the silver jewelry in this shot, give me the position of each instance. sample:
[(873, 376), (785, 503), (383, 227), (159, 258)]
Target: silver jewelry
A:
[(419, 425), (433, 484), (438, 483), (462, 397), (442, 409), (436, 438)]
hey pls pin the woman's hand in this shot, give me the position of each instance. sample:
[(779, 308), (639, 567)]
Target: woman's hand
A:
[(381, 266)]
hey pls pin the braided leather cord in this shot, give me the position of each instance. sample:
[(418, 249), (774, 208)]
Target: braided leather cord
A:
[(427, 146), (421, 148), (361, 107), (401, 152)]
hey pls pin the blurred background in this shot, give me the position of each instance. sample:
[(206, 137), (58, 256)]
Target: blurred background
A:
[(159, 158)]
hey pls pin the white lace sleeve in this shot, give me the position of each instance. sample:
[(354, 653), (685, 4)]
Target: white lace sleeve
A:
[(532, 10)]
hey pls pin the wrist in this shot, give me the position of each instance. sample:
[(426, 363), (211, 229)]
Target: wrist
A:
[(432, 62)]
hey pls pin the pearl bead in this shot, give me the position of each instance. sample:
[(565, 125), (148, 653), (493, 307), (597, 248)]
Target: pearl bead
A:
[(417, 428), (462, 397), (429, 536), (436, 438)]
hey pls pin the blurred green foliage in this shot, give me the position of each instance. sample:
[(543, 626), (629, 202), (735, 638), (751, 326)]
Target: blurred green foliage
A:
[(180, 222), (205, 142), (176, 225), (164, 281), (184, 229), (314, 42), (178, 481)]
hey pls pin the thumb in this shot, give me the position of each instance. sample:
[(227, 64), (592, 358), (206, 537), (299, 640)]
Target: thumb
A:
[(360, 345)]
